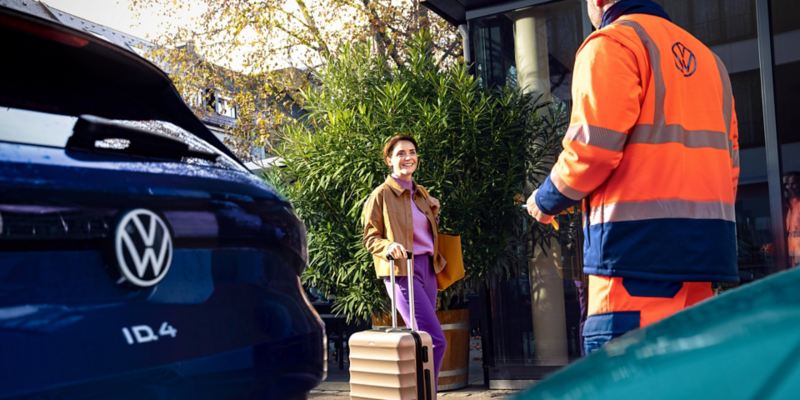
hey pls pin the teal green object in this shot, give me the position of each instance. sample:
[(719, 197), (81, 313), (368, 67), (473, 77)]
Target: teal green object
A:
[(743, 344)]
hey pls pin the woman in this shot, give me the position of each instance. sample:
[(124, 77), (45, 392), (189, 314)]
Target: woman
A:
[(400, 216)]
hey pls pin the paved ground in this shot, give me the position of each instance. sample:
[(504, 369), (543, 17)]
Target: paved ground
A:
[(471, 392), (337, 386), (459, 394)]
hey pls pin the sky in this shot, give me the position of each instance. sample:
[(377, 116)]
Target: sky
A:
[(151, 24), (116, 14)]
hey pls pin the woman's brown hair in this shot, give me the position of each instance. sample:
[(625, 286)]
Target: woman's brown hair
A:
[(389, 146)]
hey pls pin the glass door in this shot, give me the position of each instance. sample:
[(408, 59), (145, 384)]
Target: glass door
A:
[(785, 18)]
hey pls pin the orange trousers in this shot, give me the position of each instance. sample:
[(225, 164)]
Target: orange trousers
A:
[(618, 305)]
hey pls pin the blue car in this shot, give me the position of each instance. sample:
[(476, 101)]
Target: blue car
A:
[(139, 259)]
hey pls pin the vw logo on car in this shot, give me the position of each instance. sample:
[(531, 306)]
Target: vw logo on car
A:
[(143, 247)]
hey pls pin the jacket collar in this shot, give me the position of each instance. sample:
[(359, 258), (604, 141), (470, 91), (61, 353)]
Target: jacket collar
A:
[(626, 7), (396, 188)]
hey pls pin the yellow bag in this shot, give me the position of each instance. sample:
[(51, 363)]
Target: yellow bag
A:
[(450, 249)]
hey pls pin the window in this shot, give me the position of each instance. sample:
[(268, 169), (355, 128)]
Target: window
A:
[(714, 21), (194, 97), (493, 39), (786, 76), (224, 106), (33, 127), (728, 27)]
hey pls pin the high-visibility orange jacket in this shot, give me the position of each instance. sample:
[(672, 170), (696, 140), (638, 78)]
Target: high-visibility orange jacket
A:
[(652, 150)]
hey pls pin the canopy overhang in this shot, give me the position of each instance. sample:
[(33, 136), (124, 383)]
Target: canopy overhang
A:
[(458, 12)]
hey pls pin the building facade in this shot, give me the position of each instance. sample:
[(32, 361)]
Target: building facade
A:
[(533, 43)]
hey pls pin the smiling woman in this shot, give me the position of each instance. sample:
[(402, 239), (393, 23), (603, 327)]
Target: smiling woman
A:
[(400, 217), (401, 156)]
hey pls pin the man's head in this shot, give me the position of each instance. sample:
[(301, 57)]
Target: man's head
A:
[(596, 8), (791, 185)]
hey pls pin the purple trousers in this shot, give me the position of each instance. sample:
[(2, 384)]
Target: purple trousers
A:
[(424, 305)]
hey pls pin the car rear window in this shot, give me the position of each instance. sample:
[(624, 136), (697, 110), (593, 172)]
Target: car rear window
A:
[(54, 130), (33, 127)]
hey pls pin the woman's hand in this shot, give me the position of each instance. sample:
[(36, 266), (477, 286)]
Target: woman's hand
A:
[(434, 202), (396, 250)]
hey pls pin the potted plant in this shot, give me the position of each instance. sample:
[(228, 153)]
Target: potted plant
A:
[(473, 145)]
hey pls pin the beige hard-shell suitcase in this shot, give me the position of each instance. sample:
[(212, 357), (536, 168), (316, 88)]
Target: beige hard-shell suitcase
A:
[(391, 363)]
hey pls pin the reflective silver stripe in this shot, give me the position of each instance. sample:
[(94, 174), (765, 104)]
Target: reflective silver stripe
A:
[(564, 188), (659, 117), (658, 209), (727, 96), (658, 76), (596, 136), (649, 134), (727, 109)]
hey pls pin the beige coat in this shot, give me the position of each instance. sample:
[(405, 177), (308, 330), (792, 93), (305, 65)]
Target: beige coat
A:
[(387, 218)]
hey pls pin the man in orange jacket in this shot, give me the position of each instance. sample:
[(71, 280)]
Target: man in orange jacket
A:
[(791, 193), (652, 153)]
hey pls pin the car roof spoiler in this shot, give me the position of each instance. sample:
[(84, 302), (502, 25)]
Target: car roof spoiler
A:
[(142, 89)]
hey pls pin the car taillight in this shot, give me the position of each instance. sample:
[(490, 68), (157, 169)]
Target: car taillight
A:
[(31, 224), (50, 33)]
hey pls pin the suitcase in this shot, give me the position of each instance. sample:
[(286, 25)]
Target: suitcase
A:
[(391, 363)]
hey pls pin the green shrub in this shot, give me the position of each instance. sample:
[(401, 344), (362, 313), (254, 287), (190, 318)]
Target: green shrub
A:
[(473, 146)]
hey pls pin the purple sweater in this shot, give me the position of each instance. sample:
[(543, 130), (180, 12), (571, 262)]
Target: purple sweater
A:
[(423, 235)]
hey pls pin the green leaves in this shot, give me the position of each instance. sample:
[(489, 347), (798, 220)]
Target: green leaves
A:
[(477, 148)]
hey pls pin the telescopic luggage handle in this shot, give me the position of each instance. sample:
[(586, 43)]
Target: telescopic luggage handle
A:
[(410, 278)]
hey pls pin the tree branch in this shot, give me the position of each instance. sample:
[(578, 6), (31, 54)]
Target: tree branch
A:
[(448, 51), (323, 47), (379, 35)]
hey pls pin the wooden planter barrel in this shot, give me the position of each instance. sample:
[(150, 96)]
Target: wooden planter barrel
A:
[(455, 365), (385, 320)]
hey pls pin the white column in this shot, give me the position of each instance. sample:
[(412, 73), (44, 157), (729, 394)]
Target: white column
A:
[(530, 52), (547, 286), (547, 306)]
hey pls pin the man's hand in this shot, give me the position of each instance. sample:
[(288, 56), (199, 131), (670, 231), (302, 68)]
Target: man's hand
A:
[(396, 250), (535, 212)]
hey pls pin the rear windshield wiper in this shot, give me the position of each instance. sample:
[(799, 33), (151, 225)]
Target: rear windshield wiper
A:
[(95, 134)]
